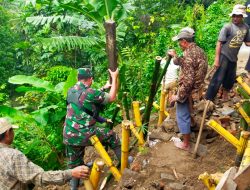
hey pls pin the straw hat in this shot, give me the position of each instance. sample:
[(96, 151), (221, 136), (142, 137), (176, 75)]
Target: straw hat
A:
[(239, 10)]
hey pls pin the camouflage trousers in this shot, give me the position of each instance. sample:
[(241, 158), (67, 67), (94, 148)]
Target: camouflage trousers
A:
[(107, 137)]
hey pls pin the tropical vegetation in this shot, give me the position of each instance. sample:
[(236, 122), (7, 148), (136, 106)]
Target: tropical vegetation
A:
[(43, 42)]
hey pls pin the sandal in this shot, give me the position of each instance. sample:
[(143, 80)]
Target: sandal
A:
[(180, 145)]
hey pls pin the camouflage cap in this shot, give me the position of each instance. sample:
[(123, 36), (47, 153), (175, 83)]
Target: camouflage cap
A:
[(84, 73)]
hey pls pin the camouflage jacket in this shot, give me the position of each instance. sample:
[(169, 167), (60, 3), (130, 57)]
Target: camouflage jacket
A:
[(78, 123), (193, 71)]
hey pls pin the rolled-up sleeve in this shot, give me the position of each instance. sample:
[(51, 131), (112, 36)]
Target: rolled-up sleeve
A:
[(27, 172)]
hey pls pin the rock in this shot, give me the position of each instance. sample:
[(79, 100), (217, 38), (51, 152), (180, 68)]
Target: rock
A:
[(227, 111), (200, 106), (176, 186), (168, 125), (242, 178), (201, 151), (136, 166), (129, 178), (167, 177), (226, 181), (160, 135)]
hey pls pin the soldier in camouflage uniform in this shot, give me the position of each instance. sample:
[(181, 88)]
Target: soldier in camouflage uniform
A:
[(193, 66), (81, 118)]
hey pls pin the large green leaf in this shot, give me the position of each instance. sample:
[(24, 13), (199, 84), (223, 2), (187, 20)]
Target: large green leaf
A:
[(69, 42), (71, 80), (42, 115), (34, 81)]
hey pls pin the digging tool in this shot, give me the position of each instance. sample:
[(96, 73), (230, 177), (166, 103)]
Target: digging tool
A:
[(209, 73), (201, 128)]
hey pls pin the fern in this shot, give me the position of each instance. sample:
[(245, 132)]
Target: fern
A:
[(75, 20), (69, 42)]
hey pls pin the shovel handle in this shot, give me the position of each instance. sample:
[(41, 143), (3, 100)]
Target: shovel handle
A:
[(201, 128)]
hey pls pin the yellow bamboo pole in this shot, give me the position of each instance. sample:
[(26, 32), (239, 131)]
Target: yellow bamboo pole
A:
[(137, 116), (246, 157), (223, 132), (137, 135), (243, 113), (207, 181), (156, 106), (162, 107), (87, 184), (242, 146), (103, 153), (125, 144), (243, 84), (96, 171)]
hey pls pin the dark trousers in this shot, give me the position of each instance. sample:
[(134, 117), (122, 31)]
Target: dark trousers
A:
[(225, 75)]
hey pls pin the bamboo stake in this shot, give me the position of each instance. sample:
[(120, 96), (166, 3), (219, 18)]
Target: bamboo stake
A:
[(96, 172), (102, 152), (125, 144), (153, 90)]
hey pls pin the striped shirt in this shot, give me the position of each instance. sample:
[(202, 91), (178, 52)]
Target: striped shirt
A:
[(16, 171)]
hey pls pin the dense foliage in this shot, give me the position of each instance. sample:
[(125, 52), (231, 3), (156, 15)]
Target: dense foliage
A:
[(43, 42)]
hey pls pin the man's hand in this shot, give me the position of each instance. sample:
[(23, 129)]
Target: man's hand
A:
[(216, 64), (80, 172), (172, 53), (173, 99), (106, 86), (114, 74)]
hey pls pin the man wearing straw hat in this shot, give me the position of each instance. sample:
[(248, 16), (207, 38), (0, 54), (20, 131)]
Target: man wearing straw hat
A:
[(17, 172), (230, 39), (193, 65)]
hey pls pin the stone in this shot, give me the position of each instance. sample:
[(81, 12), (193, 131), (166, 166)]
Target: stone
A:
[(160, 135), (201, 151), (136, 166), (177, 186), (167, 177)]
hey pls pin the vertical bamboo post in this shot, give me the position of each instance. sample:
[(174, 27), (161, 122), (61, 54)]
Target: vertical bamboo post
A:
[(96, 172), (246, 157), (162, 107), (110, 27), (102, 152), (87, 184), (137, 115), (125, 144), (241, 148), (153, 90)]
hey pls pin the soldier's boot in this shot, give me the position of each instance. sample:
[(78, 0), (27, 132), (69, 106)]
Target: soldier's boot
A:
[(74, 183)]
